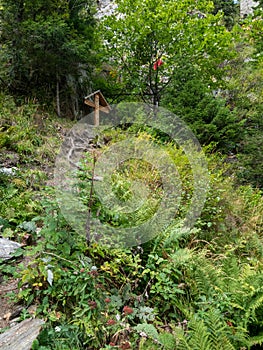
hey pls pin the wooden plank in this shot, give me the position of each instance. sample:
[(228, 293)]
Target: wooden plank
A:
[(101, 108), (22, 335)]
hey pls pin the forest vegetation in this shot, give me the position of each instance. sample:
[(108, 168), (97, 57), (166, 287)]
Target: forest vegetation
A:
[(199, 288)]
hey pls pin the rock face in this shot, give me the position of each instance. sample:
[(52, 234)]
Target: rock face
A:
[(246, 7), (7, 247), (105, 8), (21, 336)]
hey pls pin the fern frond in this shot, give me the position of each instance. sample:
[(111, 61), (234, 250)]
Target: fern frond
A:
[(218, 331), (181, 339), (254, 304), (199, 336), (195, 339), (256, 340), (206, 277), (181, 256)]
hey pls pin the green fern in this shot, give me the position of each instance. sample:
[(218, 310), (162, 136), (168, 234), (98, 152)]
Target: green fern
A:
[(167, 340), (206, 276), (256, 340), (210, 333), (196, 338), (254, 304), (218, 331)]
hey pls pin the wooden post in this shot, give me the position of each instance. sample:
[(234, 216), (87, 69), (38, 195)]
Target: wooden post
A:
[(97, 101), (97, 110)]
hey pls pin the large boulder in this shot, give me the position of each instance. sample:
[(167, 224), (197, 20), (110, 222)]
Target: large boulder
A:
[(7, 248)]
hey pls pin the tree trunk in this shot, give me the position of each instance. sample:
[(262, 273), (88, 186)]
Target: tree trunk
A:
[(57, 98)]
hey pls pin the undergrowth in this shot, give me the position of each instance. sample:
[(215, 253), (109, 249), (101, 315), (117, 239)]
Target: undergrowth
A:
[(197, 288)]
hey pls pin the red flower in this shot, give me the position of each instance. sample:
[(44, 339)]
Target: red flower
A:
[(157, 64), (107, 300), (111, 322), (92, 304), (127, 310), (125, 346), (112, 344)]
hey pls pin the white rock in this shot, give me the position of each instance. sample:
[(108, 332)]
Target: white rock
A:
[(7, 247), (8, 171)]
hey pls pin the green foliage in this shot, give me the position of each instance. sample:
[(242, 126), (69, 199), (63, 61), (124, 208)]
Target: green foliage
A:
[(95, 296), (28, 134), (244, 97), (143, 32), (202, 284), (207, 334), (46, 49), (17, 204), (231, 10), (208, 116), (184, 289)]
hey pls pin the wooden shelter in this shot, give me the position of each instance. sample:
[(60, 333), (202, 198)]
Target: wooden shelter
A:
[(97, 101)]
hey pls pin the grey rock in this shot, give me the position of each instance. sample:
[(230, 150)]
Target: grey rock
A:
[(7, 247), (22, 335)]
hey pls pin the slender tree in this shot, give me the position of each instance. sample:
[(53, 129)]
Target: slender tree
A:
[(148, 42)]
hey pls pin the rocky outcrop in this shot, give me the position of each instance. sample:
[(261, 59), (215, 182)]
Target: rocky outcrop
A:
[(105, 8), (247, 7)]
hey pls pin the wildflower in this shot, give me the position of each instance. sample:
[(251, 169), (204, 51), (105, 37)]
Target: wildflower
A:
[(111, 322), (107, 300), (57, 329), (92, 304), (125, 346), (143, 334), (127, 310)]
